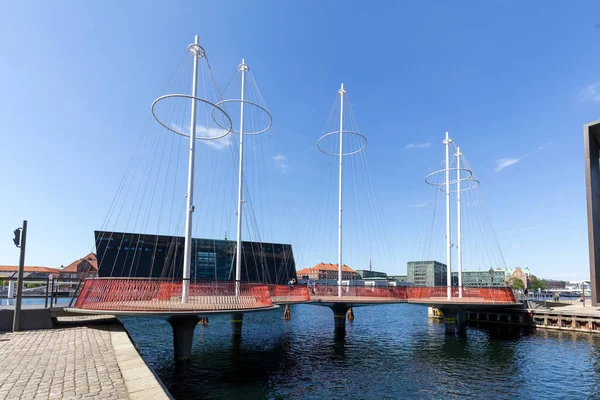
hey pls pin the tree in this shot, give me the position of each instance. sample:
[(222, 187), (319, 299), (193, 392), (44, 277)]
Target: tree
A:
[(537, 283), (517, 284)]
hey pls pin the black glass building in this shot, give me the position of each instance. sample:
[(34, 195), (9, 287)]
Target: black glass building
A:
[(123, 254)]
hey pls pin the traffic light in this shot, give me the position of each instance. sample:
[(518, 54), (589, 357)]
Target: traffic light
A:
[(17, 238)]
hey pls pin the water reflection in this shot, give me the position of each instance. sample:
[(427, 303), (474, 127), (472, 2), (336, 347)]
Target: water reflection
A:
[(391, 351)]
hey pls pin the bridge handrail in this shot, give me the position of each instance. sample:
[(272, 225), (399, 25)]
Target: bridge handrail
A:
[(125, 294)]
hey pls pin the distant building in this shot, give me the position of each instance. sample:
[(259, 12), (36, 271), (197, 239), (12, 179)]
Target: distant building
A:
[(126, 254), (426, 273), (480, 278), (86, 267), (520, 273), (553, 284), (11, 271), (324, 271), (398, 278), (369, 274)]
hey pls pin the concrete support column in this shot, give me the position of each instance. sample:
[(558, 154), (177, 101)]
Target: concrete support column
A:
[(339, 316), (183, 335), (454, 320), (236, 323)]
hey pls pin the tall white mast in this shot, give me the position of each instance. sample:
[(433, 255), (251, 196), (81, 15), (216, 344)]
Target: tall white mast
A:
[(459, 237), (243, 68), (187, 250), (342, 92), (447, 142)]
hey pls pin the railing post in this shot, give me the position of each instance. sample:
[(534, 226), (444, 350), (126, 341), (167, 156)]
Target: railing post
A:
[(47, 287)]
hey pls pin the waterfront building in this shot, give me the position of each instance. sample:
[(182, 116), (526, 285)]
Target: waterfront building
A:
[(139, 255), (370, 274), (323, 271), (591, 140), (426, 273), (520, 273), (11, 271), (553, 284), (86, 267), (398, 278), (480, 278)]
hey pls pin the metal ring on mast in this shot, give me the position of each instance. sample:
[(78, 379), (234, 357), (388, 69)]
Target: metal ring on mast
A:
[(360, 135), (181, 132), (246, 102), (475, 184), (452, 182)]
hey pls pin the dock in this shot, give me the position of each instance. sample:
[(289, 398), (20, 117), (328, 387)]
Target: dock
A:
[(573, 317), (82, 357)]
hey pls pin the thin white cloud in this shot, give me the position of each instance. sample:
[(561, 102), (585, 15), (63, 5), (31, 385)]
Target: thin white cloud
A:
[(529, 228), (505, 162), (204, 132), (419, 205), (280, 162), (418, 145), (508, 161), (590, 93)]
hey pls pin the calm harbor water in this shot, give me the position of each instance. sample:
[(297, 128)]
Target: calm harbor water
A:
[(388, 352)]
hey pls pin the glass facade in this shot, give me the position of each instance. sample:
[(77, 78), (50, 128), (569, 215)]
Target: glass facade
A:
[(426, 273), (480, 278), (136, 255)]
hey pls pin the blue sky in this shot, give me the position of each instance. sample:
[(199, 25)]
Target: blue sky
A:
[(513, 82)]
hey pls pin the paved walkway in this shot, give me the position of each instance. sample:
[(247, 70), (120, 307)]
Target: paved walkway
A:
[(579, 309), (95, 361)]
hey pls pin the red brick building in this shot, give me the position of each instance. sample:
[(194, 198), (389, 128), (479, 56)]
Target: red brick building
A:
[(324, 271), (86, 267)]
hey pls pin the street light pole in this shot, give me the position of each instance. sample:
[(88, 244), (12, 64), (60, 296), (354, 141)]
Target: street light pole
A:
[(17, 313)]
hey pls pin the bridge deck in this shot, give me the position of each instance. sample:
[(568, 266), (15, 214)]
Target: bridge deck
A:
[(159, 296)]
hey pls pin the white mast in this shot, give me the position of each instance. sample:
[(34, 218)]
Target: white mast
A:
[(243, 68), (459, 237), (187, 251), (342, 92), (447, 142)]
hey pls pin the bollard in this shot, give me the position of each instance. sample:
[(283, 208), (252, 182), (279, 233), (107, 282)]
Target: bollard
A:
[(350, 314)]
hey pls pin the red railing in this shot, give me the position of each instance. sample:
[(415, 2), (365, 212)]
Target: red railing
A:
[(416, 293), (389, 292), (132, 294), (289, 294), (472, 294), (160, 295)]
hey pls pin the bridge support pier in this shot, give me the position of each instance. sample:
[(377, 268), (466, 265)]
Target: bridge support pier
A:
[(183, 335), (454, 320), (236, 323), (339, 316)]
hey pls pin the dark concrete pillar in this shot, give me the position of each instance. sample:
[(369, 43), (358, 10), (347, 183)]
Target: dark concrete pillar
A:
[(339, 316), (236, 323), (183, 335), (454, 320), (591, 134)]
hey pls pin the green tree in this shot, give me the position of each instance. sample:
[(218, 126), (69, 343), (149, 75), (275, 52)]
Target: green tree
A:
[(537, 283), (517, 284)]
